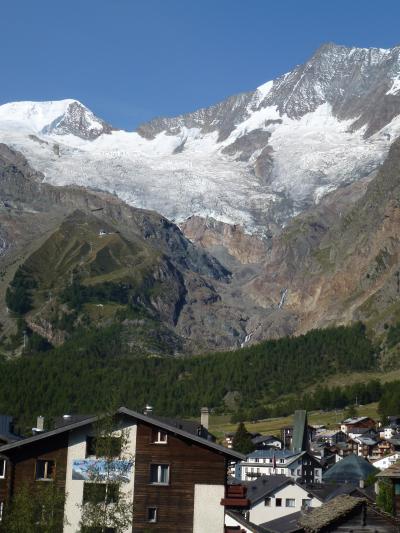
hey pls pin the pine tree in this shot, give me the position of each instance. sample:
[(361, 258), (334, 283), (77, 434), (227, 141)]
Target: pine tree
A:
[(242, 440), (351, 412)]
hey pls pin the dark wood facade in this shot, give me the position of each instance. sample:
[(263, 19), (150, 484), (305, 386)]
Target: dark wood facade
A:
[(190, 463), (21, 465)]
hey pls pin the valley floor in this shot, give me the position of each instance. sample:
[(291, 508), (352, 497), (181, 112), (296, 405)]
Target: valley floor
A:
[(220, 424)]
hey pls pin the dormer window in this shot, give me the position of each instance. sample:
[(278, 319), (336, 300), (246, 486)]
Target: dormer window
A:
[(159, 437)]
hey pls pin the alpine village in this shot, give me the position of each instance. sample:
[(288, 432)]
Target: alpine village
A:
[(200, 312)]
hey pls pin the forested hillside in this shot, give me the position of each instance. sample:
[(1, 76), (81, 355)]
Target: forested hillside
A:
[(92, 369)]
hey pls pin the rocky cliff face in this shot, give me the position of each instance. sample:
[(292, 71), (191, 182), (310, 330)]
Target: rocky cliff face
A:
[(100, 239), (218, 237), (340, 268)]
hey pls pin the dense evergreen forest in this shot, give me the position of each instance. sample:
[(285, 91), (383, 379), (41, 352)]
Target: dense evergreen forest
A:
[(90, 369)]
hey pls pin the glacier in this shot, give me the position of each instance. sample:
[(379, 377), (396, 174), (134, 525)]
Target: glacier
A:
[(255, 160)]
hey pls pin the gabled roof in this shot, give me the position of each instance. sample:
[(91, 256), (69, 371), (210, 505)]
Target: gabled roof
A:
[(328, 491), (367, 441), (264, 438), (137, 416), (269, 454), (356, 420), (351, 468), (336, 509), (66, 420), (284, 524), (265, 485), (240, 519)]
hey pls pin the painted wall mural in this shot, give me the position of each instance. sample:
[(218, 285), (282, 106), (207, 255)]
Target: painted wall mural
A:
[(102, 470)]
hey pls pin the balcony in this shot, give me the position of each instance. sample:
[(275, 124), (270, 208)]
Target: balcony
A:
[(235, 496)]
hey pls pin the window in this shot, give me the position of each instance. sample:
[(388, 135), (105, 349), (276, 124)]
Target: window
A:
[(100, 492), (152, 514), (278, 502), (90, 446), (256, 460), (158, 437), (267, 502), (281, 461), (306, 503), (290, 502), (299, 471), (282, 470), (45, 470), (159, 474), (2, 468), (103, 446)]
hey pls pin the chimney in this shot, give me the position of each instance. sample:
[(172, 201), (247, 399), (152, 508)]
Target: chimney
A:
[(148, 410), (39, 425), (204, 417), (362, 484)]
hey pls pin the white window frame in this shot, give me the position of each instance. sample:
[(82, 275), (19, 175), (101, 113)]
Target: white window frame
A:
[(159, 471), (291, 500), (3, 471), (159, 439)]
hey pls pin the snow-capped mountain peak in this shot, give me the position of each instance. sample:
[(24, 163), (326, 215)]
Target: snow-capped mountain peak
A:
[(254, 159), (59, 117)]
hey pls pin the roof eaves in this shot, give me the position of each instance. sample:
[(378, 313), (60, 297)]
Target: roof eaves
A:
[(47, 434), (137, 416), (182, 433), (249, 525), (284, 482)]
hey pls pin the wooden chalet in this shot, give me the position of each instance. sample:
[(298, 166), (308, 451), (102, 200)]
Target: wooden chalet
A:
[(177, 479)]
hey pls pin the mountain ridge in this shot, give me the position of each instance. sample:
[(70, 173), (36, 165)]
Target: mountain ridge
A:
[(256, 159)]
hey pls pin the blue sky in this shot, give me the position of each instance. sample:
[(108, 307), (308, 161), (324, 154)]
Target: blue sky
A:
[(131, 60)]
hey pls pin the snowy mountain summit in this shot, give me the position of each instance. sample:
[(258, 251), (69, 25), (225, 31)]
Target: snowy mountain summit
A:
[(62, 117), (255, 159)]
